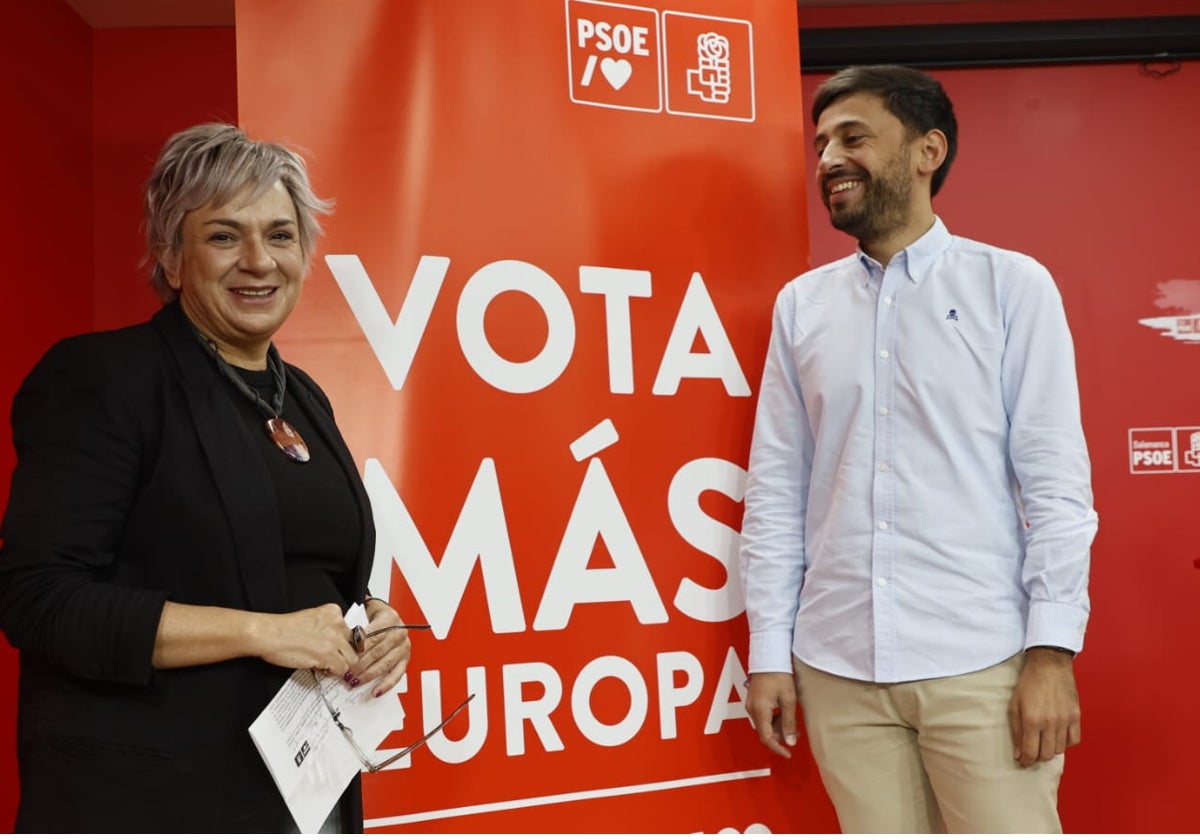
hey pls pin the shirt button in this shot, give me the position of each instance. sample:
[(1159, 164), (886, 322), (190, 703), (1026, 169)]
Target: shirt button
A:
[(882, 581), (882, 526), (884, 411), (883, 354), (883, 467), (888, 301)]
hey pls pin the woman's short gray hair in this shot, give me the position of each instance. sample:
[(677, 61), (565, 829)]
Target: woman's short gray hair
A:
[(212, 163)]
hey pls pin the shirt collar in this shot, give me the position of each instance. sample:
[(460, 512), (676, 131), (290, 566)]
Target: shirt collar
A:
[(918, 257)]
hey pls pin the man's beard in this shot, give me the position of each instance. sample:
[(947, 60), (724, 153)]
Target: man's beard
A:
[(883, 208)]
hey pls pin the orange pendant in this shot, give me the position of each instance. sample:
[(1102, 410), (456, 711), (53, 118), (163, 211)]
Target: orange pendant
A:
[(287, 439)]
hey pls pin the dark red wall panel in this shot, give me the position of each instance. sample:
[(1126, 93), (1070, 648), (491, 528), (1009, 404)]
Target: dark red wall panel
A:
[(147, 84)]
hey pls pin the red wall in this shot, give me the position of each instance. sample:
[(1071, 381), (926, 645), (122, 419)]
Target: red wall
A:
[(146, 85), (45, 151)]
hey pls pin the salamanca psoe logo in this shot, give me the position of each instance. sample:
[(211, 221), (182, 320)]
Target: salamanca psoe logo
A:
[(1184, 297)]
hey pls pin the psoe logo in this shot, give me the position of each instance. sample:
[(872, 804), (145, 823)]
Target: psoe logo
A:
[(1188, 442), (1165, 449), (1184, 297), (632, 57), (708, 66), (613, 55)]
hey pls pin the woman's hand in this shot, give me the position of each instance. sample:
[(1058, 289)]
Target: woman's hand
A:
[(313, 638), (384, 655)]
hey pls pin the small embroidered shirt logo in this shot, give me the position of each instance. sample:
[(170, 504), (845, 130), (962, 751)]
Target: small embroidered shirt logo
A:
[(952, 315)]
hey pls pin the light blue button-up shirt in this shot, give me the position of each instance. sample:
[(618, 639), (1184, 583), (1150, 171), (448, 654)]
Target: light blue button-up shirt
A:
[(919, 500)]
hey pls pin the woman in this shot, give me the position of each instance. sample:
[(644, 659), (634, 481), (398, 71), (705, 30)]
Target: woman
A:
[(186, 524)]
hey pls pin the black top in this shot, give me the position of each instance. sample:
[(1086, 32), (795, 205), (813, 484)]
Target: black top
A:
[(318, 518), (137, 481)]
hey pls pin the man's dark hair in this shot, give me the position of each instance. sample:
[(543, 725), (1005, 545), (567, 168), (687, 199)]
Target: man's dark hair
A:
[(913, 97)]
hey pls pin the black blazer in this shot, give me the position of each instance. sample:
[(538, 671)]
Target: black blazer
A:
[(136, 483)]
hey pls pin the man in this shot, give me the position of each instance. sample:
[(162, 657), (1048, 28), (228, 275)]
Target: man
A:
[(918, 512)]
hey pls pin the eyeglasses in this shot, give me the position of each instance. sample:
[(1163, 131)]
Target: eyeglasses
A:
[(373, 766), (359, 635)]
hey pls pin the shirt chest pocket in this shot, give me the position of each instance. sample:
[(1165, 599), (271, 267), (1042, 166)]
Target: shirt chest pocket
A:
[(951, 351)]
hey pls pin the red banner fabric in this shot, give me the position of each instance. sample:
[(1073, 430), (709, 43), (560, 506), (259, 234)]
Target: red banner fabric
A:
[(540, 311)]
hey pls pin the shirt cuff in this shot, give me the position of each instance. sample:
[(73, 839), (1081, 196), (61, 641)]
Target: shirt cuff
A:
[(770, 652), (1056, 625)]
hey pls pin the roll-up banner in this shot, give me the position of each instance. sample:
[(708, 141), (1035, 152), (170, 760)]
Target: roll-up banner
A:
[(540, 310)]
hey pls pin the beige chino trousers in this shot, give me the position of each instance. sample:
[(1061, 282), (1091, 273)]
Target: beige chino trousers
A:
[(926, 756)]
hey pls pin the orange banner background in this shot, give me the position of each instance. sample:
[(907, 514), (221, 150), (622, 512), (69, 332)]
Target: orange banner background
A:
[(540, 311)]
